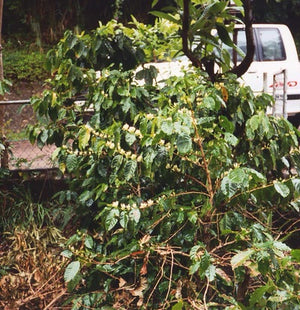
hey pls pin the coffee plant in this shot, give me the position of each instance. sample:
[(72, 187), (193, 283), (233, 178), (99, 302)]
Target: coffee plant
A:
[(187, 194)]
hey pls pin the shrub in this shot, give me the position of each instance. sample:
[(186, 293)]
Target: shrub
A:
[(180, 189)]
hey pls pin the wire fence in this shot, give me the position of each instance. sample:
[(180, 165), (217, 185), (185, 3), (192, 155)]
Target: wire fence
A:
[(19, 153)]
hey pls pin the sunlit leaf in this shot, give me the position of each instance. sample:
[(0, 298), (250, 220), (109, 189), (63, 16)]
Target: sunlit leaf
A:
[(210, 273), (112, 219), (71, 271), (84, 137), (178, 306), (135, 215), (295, 253), (240, 258), (88, 242), (71, 162), (282, 189), (184, 143), (129, 169), (167, 16), (167, 127)]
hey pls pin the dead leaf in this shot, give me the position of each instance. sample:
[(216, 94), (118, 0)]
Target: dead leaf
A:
[(223, 275), (145, 239), (139, 290), (144, 270), (122, 282)]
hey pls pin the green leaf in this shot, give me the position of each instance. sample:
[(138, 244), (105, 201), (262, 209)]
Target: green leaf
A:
[(165, 16), (71, 271), (296, 184), (205, 263), (178, 305), (71, 285), (209, 103), (130, 138), (232, 221), (154, 2), (124, 219), (258, 294), (84, 137), (194, 267), (135, 215), (228, 188), (43, 136), (296, 255), (224, 35), (226, 124), (281, 246), (295, 205), (231, 139), (238, 2), (117, 162), (71, 162), (112, 219), (167, 127), (193, 216), (184, 143), (194, 251), (240, 258), (282, 189), (89, 242), (85, 196), (129, 169), (210, 273), (66, 253), (217, 7), (241, 178), (126, 104)]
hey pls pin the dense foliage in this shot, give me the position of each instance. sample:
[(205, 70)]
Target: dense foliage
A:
[(185, 193)]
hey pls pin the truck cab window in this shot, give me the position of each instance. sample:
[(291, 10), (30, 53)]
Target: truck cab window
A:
[(268, 41), (241, 43), (270, 44)]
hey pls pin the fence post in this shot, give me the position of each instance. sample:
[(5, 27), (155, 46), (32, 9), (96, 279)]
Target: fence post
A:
[(4, 155)]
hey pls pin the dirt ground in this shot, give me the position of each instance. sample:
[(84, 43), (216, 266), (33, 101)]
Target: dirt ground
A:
[(23, 155), (17, 116)]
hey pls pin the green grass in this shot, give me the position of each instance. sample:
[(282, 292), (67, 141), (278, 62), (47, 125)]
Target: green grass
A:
[(21, 64)]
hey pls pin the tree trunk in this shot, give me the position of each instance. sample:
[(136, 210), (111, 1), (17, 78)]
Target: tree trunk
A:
[(245, 64), (4, 155)]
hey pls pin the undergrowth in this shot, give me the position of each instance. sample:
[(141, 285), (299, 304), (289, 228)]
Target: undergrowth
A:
[(21, 63), (32, 238)]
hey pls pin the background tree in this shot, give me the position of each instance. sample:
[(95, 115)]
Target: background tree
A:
[(3, 86), (19, 15), (284, 11)]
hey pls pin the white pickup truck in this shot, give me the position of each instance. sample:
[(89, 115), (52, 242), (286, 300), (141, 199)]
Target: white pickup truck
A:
[(275, 52)]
